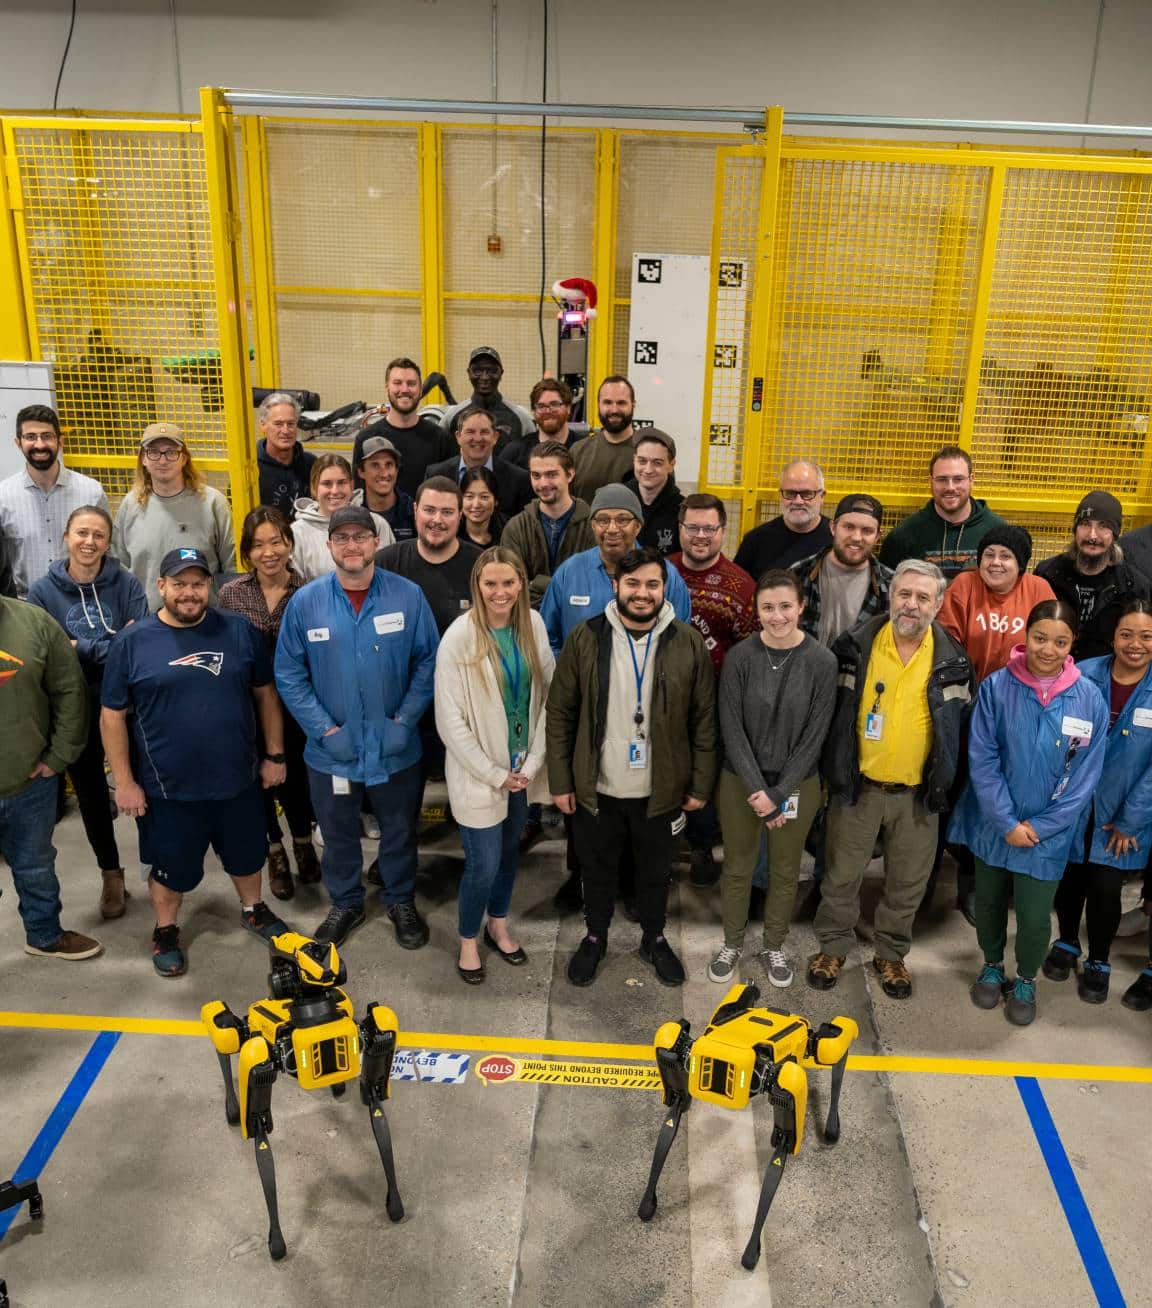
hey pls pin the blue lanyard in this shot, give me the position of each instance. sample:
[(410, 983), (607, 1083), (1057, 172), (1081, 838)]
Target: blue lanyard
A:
[(638, 671), (512, 675)]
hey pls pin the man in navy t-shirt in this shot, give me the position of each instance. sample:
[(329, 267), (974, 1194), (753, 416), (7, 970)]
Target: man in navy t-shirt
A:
[(194, 680)]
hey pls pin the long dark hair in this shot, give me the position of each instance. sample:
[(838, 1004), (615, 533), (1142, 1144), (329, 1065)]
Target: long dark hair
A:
[(263, 515)]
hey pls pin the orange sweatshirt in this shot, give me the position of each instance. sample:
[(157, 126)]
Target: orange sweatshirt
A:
[(987, 624)]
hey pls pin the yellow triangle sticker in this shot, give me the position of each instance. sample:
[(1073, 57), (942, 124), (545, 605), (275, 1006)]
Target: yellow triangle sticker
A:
[(263, 1146), (378, 1113), (776, 1162)]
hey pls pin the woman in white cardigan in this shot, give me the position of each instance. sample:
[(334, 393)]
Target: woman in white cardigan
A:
[(493, 670)]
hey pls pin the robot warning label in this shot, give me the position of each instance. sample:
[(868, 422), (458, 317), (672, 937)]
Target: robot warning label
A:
[(547, 1071)]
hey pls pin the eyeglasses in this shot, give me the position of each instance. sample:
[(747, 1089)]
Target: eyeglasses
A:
[(550, 407), (695, 530), (621, 520), (358, 538), (162, 456), (806, 495)]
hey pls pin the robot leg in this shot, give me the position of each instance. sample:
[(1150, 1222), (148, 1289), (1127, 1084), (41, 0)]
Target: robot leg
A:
[(672, 1046), (378, 1041), (257, 1077), (789, 1094)]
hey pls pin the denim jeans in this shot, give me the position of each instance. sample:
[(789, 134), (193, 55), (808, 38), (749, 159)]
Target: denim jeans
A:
[(491, 861), (26, 822), (396, 804)]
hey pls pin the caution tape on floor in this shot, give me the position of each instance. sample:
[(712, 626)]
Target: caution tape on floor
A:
[(499, 1069)]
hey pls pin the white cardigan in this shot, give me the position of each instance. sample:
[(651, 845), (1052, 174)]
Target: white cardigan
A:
[(472, 724)]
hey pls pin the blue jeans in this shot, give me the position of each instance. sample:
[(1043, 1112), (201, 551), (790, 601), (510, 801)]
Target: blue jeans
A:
[(26, 822), (396, 804), (491, 861)]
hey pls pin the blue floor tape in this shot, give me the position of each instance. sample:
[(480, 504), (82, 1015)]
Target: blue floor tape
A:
[(59, 1120), (1079, 1219)]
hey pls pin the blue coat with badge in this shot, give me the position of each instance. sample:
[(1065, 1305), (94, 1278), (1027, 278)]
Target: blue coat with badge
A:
[(1029, 762), (369, 673), (1124, 795)]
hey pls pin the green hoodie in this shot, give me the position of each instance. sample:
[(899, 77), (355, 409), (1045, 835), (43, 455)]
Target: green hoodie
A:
[(43, 698), (950, 545)]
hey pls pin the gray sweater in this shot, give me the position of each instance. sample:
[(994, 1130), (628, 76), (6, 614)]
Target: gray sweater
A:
[(144, 533), (774, 722)]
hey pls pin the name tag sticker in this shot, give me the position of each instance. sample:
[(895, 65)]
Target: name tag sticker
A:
[(318, 633), (637, 754), (340, 786), (388, 622), (1076, 728), (581, 601), (1142, 717), (874, 726)]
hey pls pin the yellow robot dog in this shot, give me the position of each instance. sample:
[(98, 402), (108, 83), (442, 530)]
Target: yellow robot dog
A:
[(307, 1031), (747, 1051)]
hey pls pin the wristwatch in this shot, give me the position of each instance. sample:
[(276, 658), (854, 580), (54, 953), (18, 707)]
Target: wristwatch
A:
[(275, 758)]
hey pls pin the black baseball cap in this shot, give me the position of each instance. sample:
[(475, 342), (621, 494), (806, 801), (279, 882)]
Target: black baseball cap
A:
[(177, 560), (485, 351), (859, 503), (351, 515)]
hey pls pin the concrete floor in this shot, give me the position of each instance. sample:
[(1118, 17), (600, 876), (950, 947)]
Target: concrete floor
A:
[(938, 1192)]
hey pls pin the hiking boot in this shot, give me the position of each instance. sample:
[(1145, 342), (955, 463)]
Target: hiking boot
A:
[(1138, 996), (262, 922), (1061, 961), (531, 834), (71, 946), (279, 873), (584, 962), (990, 986), (894, 978), (570, 897), (113, 895), (167, 956), (658, 952), (339, 922), (411, 929), (1092, 985), (824, 971), (703, 870), (1020, 1006), (723, 967), (307, 864), (778, 968)]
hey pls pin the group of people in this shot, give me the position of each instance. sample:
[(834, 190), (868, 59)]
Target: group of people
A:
[(538, 614)]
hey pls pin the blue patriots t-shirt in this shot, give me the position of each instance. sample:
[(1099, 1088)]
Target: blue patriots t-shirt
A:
[(189, 692)]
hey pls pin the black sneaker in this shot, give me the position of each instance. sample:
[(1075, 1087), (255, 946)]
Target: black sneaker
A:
[(1092, 985), (584, 962), (703, 869), (1138, 996), (411, 929), (1061, 961), (339, 922), (261, 921), (570, 897), (658, 952)]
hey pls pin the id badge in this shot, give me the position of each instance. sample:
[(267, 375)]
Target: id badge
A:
[(1061, 787), (791, 807), (874, 726), (518, 759), (340, 786), (637, 754)]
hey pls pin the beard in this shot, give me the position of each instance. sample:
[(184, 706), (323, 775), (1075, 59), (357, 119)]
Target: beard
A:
[(615, 422)]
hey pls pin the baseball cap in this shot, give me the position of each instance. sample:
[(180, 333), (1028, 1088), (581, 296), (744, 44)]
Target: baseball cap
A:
[(351, 515), (654, 434), (156, 431), (860, 503), (378, 445), (177, 560), (481, 350)]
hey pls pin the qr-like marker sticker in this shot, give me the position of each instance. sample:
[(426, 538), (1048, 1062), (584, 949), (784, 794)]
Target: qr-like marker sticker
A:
[(643, 422), (645, 352), (731, 273), (720, 433), (650, 270), (724, 356)]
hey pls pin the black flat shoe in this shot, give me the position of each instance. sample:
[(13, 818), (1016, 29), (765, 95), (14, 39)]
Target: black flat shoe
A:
[(472, 976), (517, 957)]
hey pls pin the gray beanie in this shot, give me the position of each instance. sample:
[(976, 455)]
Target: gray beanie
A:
[(615, 496)]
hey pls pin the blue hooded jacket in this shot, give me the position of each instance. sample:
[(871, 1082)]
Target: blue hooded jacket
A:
[(91, 612), (1124, 795), (370, 674), (1024, 765)]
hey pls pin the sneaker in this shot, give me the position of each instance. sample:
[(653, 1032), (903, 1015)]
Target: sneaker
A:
[(1020, 1006), (280, 874), (723, 967), (703, 869), (894, 978), (1061, 961), (778, 968), (1138, 996), (167, 956), (570, 897), (113, 895), (369, 827), (990, 986), (824, 971), (411, 929), (584, 962), (307, 864), (669, 969), (1092, 985), (339, 922), (71, 946), (262, 922)]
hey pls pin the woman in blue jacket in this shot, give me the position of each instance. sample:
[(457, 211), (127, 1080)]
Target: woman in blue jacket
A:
[(1112, 836), (92, 597), (1035, 753)]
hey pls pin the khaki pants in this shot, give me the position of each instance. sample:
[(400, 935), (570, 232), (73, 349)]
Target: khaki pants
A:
[(910, 833), (742, 832)]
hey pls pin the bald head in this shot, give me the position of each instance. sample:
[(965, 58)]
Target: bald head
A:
[(801, 495)]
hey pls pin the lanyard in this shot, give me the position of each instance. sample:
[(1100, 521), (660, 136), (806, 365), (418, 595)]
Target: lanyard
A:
[(512, 676), (638, 671)]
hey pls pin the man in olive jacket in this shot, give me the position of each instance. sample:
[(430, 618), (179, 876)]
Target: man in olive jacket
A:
[(555, 525), (43, 728), (631, 746)]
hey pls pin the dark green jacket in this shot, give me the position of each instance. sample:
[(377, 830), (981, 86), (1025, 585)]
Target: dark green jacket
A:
[(525, 535), (43, 697), (682, 735), (950, 545)]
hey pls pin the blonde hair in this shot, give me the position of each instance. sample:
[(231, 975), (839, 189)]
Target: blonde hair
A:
[(194, 479), (521, 623), (323, 463)]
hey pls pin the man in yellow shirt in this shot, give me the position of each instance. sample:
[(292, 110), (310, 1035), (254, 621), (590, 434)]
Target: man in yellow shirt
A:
[(889, 761)]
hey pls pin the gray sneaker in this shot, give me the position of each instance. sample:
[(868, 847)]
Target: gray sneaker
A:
[(778, 968), (723, 966)]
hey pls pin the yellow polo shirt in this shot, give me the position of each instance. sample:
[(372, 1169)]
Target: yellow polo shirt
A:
[(900, 754)]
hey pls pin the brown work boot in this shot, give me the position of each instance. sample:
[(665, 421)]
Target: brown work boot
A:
[(71, 947), (307, 864), (894, 978), (113, 895), (824, 971), (279, 873)]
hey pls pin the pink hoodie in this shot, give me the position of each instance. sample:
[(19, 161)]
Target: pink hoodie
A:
[(1017, 665)]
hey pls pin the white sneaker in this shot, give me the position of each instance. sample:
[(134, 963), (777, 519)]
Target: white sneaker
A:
[(369, 826), (723, 966), (778, 967)]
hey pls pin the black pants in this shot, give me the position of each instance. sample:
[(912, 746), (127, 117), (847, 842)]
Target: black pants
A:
[(91, 787), (1091, 890), (619, 826), (293, 792)]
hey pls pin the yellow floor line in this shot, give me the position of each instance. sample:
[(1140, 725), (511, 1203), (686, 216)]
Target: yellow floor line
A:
[(599, 1049)]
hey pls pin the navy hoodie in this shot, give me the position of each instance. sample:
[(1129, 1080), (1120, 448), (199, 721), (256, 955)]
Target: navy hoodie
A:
[(93, 612)]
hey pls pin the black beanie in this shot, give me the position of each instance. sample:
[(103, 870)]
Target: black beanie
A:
[(1101, 507), (1012, 538)]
